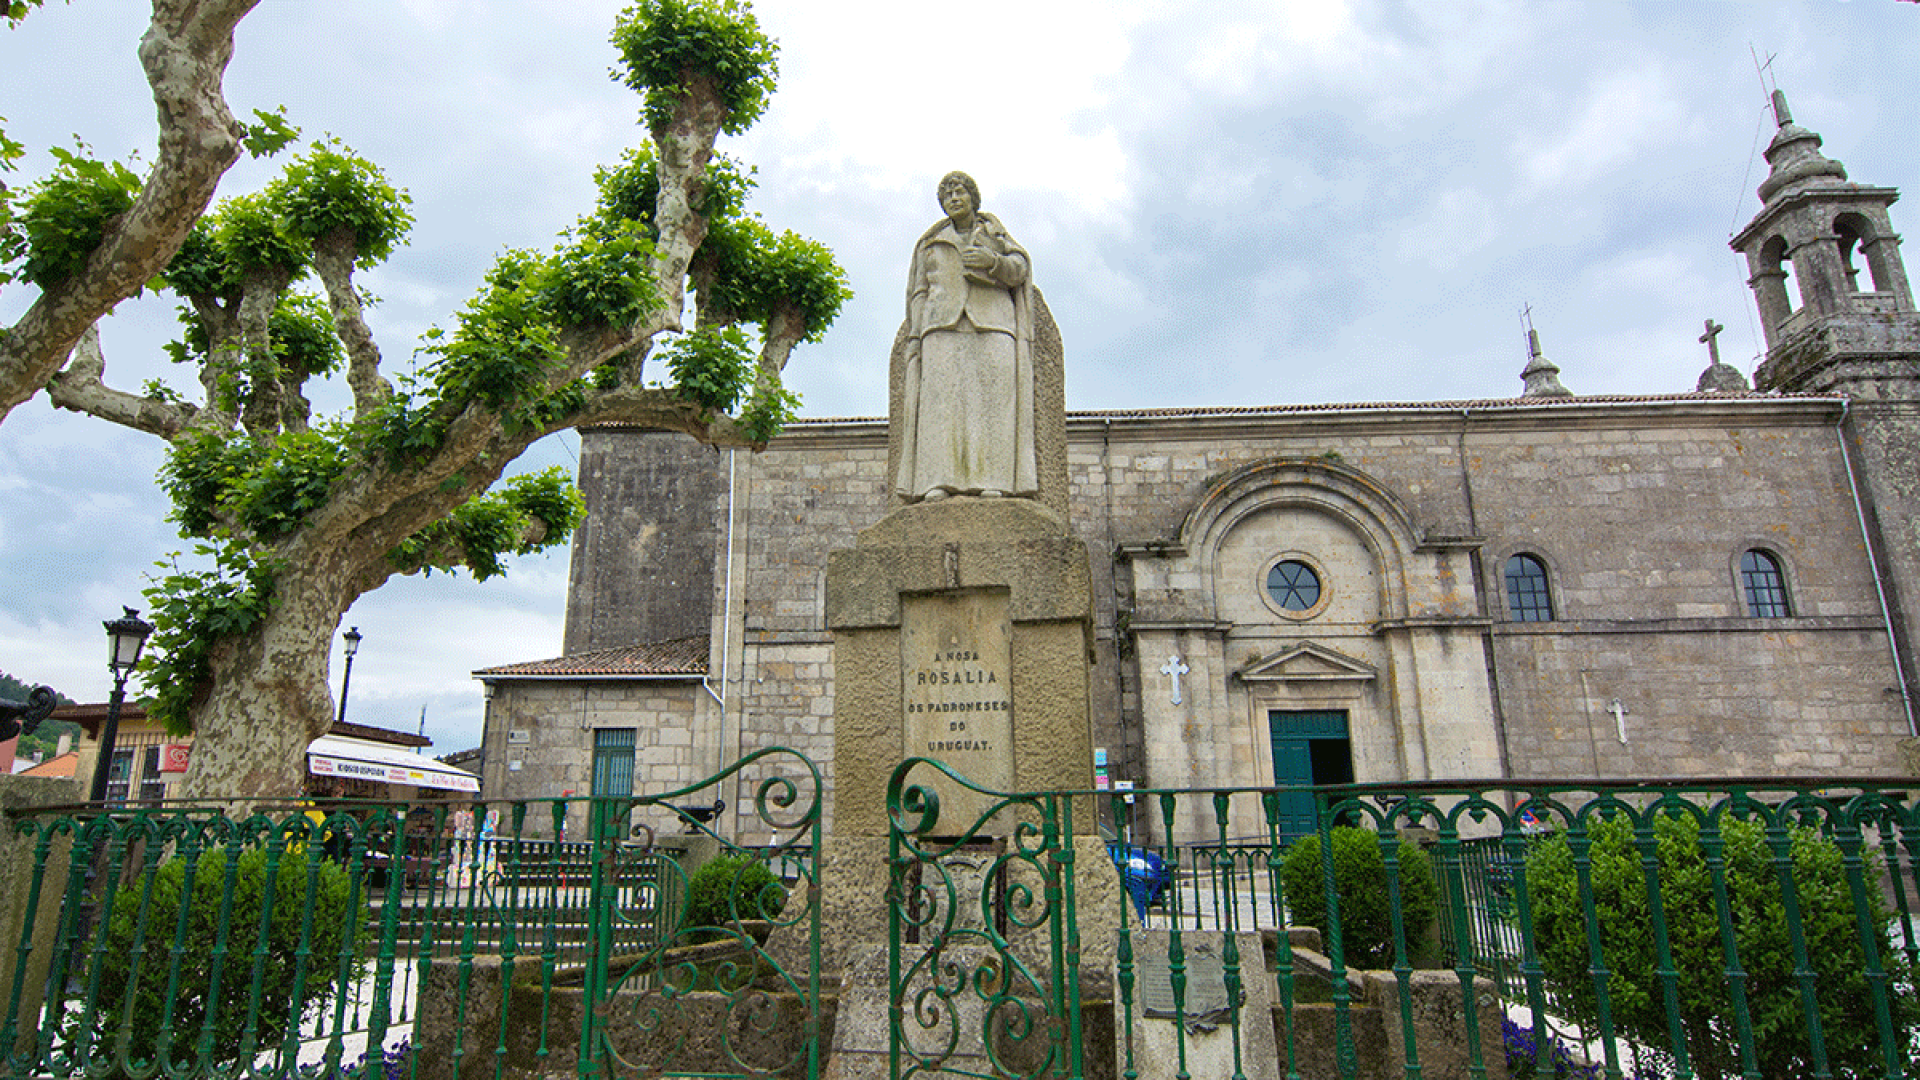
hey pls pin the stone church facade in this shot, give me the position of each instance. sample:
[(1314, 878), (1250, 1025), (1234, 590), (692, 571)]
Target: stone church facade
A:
[(1721, 583)]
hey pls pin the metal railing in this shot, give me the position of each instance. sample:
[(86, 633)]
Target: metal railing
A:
[(383, 940), (1687, 929), (1756, 928)]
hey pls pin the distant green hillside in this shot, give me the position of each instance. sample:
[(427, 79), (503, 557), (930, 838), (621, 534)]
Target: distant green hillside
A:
[(45, 739)]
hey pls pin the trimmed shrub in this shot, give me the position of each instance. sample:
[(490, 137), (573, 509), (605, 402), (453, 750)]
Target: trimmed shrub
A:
[(1635, 994), (297, 972), (1366, 915), (730, 889)]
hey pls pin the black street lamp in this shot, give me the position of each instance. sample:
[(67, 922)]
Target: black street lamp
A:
[(126, 636), (352, 638)]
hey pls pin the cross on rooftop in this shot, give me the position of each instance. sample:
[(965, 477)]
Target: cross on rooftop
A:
[(1711, 339)]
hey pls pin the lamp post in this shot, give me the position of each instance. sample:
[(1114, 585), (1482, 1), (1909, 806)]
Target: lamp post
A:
[(352, 638), (126, 636)]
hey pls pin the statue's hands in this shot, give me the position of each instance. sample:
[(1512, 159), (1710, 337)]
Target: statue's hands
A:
[(978, 259)]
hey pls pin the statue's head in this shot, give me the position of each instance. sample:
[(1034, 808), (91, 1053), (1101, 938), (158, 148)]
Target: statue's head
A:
[(963, 182)]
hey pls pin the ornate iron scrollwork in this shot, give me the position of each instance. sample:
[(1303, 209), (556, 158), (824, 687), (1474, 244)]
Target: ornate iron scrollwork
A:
[(22, 717)]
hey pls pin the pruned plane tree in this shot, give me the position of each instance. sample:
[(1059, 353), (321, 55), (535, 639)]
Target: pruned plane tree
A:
[(668, 305)]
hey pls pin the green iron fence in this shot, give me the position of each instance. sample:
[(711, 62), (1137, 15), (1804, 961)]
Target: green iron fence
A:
[(440, 939), (1596, 928), (1604, 929)]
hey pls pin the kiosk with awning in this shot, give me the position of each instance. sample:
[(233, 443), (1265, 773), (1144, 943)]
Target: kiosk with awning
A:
[(382, 763)]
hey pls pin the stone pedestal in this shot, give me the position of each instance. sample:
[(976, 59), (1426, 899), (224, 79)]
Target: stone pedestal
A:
[(17, 862), (962, 633)]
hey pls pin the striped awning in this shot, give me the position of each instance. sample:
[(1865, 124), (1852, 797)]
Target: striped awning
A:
[(364, 759)]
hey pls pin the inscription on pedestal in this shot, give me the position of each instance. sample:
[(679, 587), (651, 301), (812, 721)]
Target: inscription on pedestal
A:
[(956, 658), (1206, 986)]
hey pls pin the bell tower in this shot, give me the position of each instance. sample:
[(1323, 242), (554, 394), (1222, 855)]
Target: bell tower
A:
[(1824, 265), (1837, 310)]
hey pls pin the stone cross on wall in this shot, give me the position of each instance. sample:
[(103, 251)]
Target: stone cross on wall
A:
[(1619, 712), (1175, 668), (1712, 340)]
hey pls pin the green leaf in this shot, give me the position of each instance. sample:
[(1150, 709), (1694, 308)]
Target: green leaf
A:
[(269, 133)]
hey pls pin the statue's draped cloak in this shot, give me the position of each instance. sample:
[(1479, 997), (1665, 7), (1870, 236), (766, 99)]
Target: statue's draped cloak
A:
[(924, 467)]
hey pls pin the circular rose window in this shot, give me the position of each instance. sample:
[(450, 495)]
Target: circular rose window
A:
[(1293, 586)]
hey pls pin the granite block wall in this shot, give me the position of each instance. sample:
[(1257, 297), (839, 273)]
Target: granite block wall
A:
[(1639, 508)]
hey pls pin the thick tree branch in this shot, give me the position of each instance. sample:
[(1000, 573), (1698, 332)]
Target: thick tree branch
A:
[(185, 54), (80, 387), (786, 328), (266, 410), (685, 146), (333, 258), (220, 370)]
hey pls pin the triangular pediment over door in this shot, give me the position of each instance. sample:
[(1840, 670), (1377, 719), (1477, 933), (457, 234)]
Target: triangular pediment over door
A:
[(1307, 662)]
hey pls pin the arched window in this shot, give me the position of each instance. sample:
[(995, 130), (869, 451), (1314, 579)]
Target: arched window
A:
[(1528, 599), (1777, 284), (1765, 585), (1855, 233), (1851, 234)]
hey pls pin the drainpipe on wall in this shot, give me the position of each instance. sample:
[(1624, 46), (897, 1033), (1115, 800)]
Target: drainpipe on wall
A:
[(726, 642), (1873, 565)]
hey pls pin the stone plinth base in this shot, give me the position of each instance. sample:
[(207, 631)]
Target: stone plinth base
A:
[(1211, 1042)]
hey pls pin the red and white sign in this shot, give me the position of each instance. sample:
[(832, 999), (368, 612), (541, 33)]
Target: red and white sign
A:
[(174, 757)]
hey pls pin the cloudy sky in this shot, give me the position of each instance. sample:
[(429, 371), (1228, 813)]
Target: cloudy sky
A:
[(1226, 203)]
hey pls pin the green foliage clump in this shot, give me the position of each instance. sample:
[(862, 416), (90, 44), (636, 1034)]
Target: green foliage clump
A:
[(496, 523), (199, 268), (1635, 994), (301, 331), (193, 611), (600, 277), (668, 44), (755, 274), (12, 245), (253, 236), (507, 342), (332, 188), (220, 482), (769, 409), (1366, 910), (731, 889), (62, 219), (297, 972), (711, 367), (630, 191)]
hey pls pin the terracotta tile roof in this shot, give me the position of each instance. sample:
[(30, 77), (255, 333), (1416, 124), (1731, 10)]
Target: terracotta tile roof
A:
[(1345, 406), (1373, 406), (682, 656)]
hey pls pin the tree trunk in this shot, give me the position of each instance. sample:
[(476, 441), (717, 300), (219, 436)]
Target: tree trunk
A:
[(270, 695)]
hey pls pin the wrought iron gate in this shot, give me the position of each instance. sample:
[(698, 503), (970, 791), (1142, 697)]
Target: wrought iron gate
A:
[(715, 973), (983, 944)]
